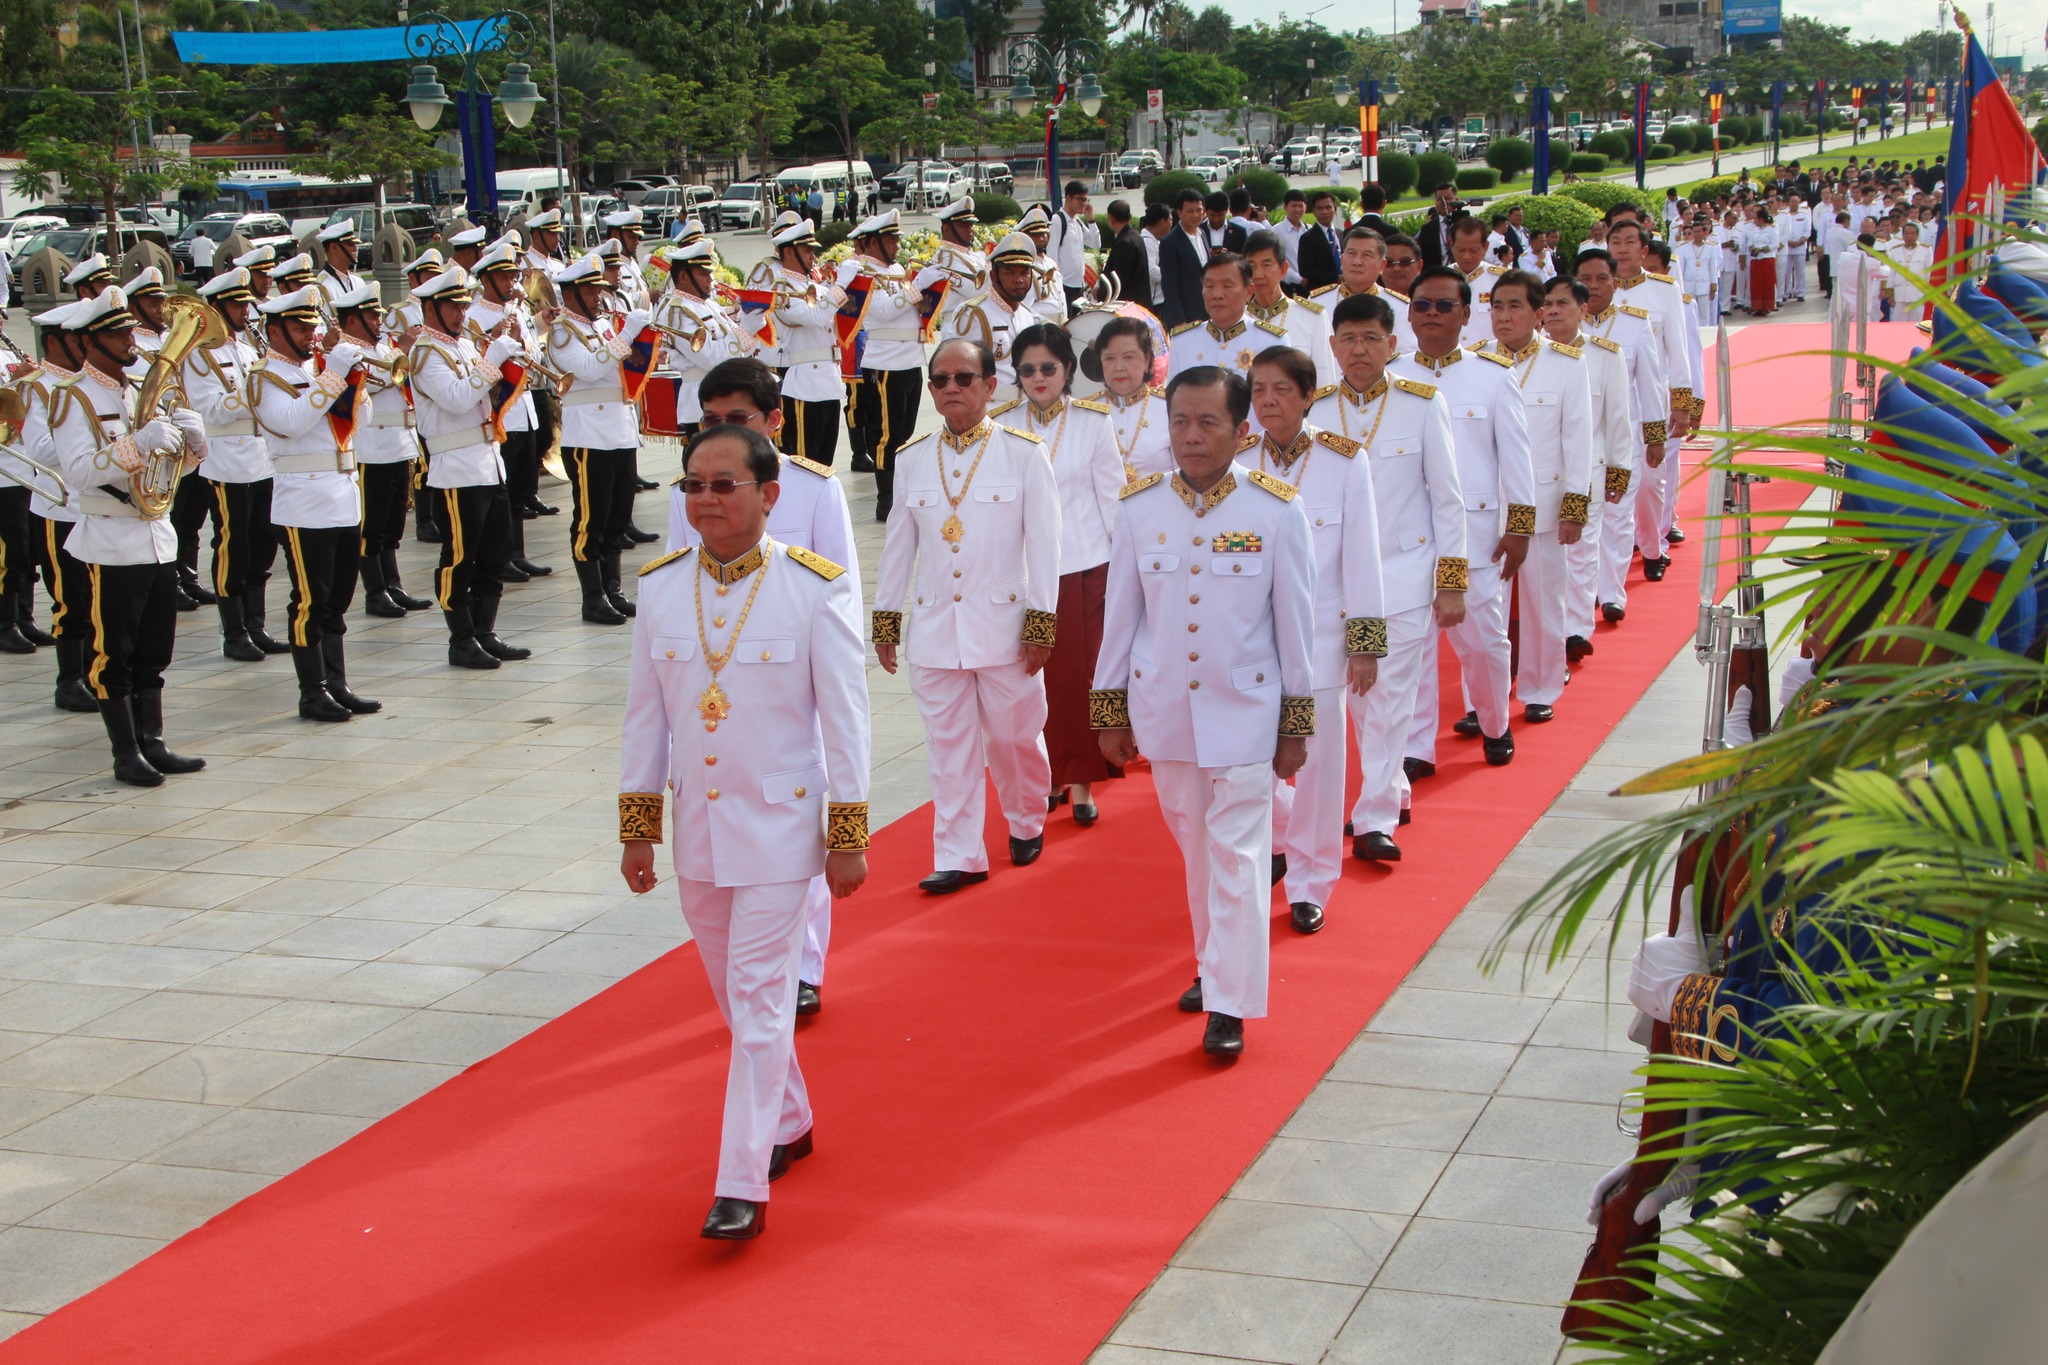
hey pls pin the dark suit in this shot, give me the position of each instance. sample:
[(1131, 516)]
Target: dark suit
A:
[(1132, 268), (1229, 237), (1434, 240), (1318, 256), (1180, 280)]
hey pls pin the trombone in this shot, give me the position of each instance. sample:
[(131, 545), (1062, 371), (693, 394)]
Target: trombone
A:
[(13, 412)]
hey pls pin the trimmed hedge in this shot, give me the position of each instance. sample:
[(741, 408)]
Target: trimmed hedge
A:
[(1712, 189), (832, 234), (1346, 196), (1478, 178), (1569, 218), (1510, 156), (1586, 163), (1792, 123), (1398, 173), (1739, 128), (1662, 151), (993, 208), (1601, 195), (1613, 146), (1267, 187), (1166, 188), (1433, 169), (1679, 138)]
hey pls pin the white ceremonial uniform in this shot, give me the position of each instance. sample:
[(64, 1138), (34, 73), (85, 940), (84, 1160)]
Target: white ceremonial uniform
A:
[(44, 391), (595, 413), (1638, 519), (761, 792), (1911, 267), (1479, 327), (762, 277), (334, 283), (975, 534), (1860, 277), (217, 385), (1048, 301), (1698, 265), (1307, 325), (1330, 295), (1616, 451), (804, 309), (1793, 279), (632, 284), (451, 387), (1080, 441), (893, 331), (384, 433), (484, 315), (713, 337), (1405, 428), (1332, 478), (316, 477), (1206, 656), (986, 318), (1557, 408), (1142, 439), (1728, 241), (90, 419), (1491, 436)]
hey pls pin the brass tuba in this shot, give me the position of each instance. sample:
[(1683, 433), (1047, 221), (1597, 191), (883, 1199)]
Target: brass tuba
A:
[(189, 324), (13, 412)]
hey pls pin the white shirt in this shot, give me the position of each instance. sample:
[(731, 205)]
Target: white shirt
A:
[(1608, 422), (1142, 441), (384, 433), (1914, 261), (595, 413), (804, 310), (1080, 440), (217, 385), (1490, 435), (890, 323), (1152, 261), (92, 418), (1557, 411), (1650, 391), (203, 248), (1072, 239), (713, 336), (484, 315), (1332, 477), (986, 318), (316, 479), (1417, 496), (451, 387)]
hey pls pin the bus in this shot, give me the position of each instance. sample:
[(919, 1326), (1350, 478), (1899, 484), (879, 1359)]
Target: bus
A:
[(290, 195)]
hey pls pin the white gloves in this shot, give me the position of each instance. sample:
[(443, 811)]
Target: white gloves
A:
[(1676, 1186), (193, 430), (501, 350), (1797, 674), (635, 323), (343, 358), (1664, 961), (157, 434), (1735, 726)]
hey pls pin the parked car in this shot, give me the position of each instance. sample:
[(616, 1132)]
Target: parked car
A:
[(993, 177), (1344, 151), (1304, 155), (418, 219), (898, 182), (1212, 168), (219, 226), (80, 242), (15, 232), (668, 203), (940, 186), (631, 191), (741, 206)]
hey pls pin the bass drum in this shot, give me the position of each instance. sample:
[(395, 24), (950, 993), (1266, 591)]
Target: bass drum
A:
[(1086, 329)]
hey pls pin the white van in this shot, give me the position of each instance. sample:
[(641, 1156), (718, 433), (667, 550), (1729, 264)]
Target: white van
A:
[(525, 189), (830, 177)]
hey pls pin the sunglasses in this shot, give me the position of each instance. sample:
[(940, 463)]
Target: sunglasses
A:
[(963, 379), (722, 487), (1051, 370), (1427, 306), (1404, 260)]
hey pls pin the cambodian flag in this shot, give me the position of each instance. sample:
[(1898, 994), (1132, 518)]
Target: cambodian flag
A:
[(639, 362), (757, 311), (505, 395), (341, 413), (659, 406), (1988, 145), (846, 325), (929, 302)]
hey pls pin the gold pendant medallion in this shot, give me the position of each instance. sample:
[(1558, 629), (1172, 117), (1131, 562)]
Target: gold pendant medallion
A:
[(712, 705), (952, 531)]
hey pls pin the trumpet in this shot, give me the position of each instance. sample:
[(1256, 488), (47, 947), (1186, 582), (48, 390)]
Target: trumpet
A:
[(13, 412), (189, 325), (694, 340)]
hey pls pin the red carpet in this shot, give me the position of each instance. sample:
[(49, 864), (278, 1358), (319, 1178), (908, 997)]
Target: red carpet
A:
[(1782, 371), (1015, 1126)]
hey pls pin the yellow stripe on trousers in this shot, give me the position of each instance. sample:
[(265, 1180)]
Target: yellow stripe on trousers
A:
[(580, 457), (454, 550), (302, 583), (60, 609), (225, 525), (100, 659)]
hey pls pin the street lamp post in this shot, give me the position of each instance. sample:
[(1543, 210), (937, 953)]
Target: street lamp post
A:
[(1820, 109), (1029, 57), (1539, 124), (1777, 117), (1884, 110), (1373, 96), (1648, 87), (434, 36)]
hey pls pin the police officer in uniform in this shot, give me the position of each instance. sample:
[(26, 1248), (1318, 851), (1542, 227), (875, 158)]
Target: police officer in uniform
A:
[(1207, 669)]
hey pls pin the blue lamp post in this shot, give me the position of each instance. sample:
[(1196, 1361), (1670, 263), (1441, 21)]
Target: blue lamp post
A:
[(434, 36), (1539, 124), (1029, 57)]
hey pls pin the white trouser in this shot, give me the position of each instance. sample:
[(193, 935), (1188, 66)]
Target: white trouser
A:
[(1647, 532), (1792, 277), (1540, 589), (1582, 563), (976, 717), (750, 938), (817, 931), (1618, 536), (1671, 474), (1380, 719), (1481, 644), (1308, 817), (1222, 818)]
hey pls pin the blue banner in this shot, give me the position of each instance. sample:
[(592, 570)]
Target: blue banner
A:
[(309, 49), (1751, 19)]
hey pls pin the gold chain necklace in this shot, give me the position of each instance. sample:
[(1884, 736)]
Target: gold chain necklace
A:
[(711, 703), (1344, 415), (1123, 450), (1052, 452), (953, 530)]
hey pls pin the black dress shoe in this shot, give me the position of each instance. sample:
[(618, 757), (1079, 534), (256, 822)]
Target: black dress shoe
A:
[(1676, 536), (190, 585), (528, 514), (640, 537), (380, 604), (1501, 752), (34, 633), (1467, 725), (1054, 800), (471, 654), (264, 641), (1416, 769), (407, 600), (946, 883), (74, 695), (735, 1220), (241, 649), (1305, 918), (1224, 1037), (807, 998), (644, 485), (1653, 569), (541, 509), (785, 1153), (1375, 847), (882, 510), (12, 641), (187, 602), (863, 464), (498, 649), (1406, 814), (598, 612), (1191, 998), (1576, 647), (531, 569), (315, 704), (1536, 713), (1087, 815), (1279, 868), (1024, 852), (429, 534), (512, 573), (1613, 613)]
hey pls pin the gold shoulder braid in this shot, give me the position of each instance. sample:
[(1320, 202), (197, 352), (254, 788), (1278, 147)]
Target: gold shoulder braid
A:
[(1297, 717), (1109, 709), (640, 816), (846, 826)]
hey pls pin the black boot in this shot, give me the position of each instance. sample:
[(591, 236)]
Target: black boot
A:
[(25, 619), (186, 601), (314, 703), (486, 613), (596, 608), (885, 490), (392, 585), (376, 597), (72, 693), (129, 764), (234, 633), (12, 641), (252, 621), (531, 569), (149, 735), (190, 584), (612, 595), (425, 527), (334, 657), (463, 649)]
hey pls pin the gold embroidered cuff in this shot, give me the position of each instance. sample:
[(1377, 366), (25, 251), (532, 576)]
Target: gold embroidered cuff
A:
[(640, 816), (1297, 717), (1040, 627), (1109, 709), (1521, 519), (1573, 507), (1683, 401), (1617, 481), (1366, 635), (846, 826), (1653, 432), (1452, 574), (888, 628)]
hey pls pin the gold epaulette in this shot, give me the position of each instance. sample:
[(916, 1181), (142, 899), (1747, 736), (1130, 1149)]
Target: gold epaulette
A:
[(1562, 349), (1035, 440), (1000, 409), (1247, 443), (1477, 346), (1606, 344), (671, 557), (1310, 304), (1632, 310), (812, 560), (1496, 270), (1420, 390), (1140, 485), (1272, 329), (1279, 488), (1340, 443), (1157, 390), (1317, 293), (1324, 392), (823, 471), (1661, 279), (1090, 405), (1504, 361), (1394, 293), (1185, 327)]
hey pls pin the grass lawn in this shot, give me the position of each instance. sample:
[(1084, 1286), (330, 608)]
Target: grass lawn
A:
[(1899, 147)]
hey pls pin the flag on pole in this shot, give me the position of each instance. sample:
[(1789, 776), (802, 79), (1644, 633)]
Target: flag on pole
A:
[(846, 325), (1989, 146)]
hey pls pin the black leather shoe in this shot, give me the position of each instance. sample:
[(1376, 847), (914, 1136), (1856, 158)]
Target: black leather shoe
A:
[(34, 633), (1087, 815), (1613, 613), (406, 599), (1676, 536), (735, 1220), (786, 1153), (380, 604), (264, 641), (531, 569), (241, 649), (338, 689), (1576, 647), (807, 998), (599, 612), (1374, 847), (863, 464), (1305, 918), (644, 485), (1279, 868), (12, 641), (882, 510), (620, 603), (498, 649), (1653, 569), (190, 585), (1537, 714), (640, 537), (186, 602), (133, 769), (1418, 768), (541, 509), (470, 654), (1191, 998), (1406, 815), (1467, 725), (527, 514), (427, 533), (74, 695), (315, 704), (1224, 1037), (1501, 752), (1054, 800), (512, 573), (1024, 852), (946, 883)]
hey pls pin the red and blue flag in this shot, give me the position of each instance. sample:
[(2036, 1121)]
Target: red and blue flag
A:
[(1989, 147), (853, 342)]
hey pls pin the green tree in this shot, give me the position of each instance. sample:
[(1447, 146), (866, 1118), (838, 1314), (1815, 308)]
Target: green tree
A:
[(847, 82), (382, 144), (85, 143)]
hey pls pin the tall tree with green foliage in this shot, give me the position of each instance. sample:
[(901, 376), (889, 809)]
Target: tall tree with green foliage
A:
[(85, 144)]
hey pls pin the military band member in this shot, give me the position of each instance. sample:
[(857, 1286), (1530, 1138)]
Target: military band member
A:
[(1137, 406), (544, 244), (500, 310), (1048, 301), (52, 517), (421, 268), (1613, 439), (705, 337), (1363, 261), (1404, 426), (769, 763), (1557, 407), (218, 383), (26, 503), (467, 246), (1332, 479), (289, 275), (131, 614), (1635, 519), (992, 316), (90, 277), (541, 259), (976, 535), (761, 278), (960, 260), (340, 249), (625, 227), (883, 402), (452, 385), (1207, 670), (1307, 329), (146, 294), (385, 449), (812, 390), (258, 261), (306, 404)]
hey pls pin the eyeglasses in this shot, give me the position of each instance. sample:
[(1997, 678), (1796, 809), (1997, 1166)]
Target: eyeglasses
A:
[(1404, 260), (1427, 306), (1050, 370), (963, 379), (722, 487)]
